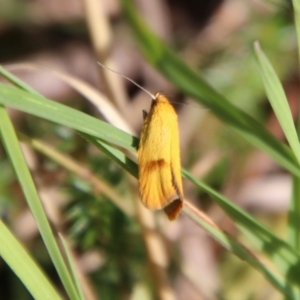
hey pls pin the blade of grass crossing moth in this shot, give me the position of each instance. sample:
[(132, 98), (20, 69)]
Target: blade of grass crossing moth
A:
[(284, 258), (14, 152), (25, 267), (278, 100), (279, 282), (72, 267)]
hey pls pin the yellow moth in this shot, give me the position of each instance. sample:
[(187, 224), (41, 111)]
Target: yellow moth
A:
[(160, 183)]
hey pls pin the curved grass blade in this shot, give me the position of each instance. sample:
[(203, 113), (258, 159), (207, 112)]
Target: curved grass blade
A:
[(41, 107), (278, 100), (16, 81), (12, 147), (280, 105), (25, 267), (72, 267)]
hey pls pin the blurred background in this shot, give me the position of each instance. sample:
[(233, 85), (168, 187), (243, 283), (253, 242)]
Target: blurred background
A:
[(49, 44)]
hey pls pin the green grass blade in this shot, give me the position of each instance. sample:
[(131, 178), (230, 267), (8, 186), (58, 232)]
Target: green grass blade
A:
[(61, 114), (12, 147), (278, 100), (72, 268), (281, 108), (25, 267), (296, 5), (122, 160), (283, 113), (16, 81), (192, 84), (293, 236)]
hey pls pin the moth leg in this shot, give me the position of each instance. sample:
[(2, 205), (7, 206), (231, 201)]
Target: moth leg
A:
[(144, 115)]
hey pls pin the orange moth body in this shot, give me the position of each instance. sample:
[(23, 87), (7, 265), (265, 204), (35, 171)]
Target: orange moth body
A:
[(160, 181)]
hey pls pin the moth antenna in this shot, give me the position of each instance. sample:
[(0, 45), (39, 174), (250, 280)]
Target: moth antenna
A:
[(129, 79)]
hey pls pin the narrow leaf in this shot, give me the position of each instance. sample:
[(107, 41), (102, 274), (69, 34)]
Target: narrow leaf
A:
[(12, 147), (25, 267)]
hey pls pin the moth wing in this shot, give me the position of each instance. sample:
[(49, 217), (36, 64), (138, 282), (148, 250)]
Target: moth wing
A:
[(158, 178), (173, 209), (156, 189)]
